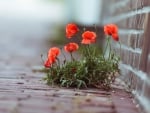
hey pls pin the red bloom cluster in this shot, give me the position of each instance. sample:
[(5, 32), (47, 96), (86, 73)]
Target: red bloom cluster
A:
[(50, 60), (112, 30), (54, 51), (88, 37), (71, 47), (71, 30), (52, 55)]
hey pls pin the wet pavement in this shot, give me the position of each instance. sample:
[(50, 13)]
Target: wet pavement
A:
[(23, 91)]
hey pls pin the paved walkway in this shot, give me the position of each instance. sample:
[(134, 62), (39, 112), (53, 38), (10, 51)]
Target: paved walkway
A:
[(23, 91)]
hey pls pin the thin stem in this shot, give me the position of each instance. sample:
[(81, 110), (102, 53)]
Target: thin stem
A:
[(109, 49), (63, 56), (106, 46), (42, 58), (72, 59), (94, 51), (88, 50), (58, 65), (120, 48)]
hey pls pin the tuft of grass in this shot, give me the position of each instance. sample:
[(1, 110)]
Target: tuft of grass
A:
[(92, 70)]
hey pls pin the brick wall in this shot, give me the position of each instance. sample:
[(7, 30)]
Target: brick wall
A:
[(133, 19)]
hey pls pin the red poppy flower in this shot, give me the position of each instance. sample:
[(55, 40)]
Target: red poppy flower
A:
[(51, 60), (54, 51), (115, 37), (52, 54), (88, 37), (71, 47), (112, 30), (71, 30), (47, 64)]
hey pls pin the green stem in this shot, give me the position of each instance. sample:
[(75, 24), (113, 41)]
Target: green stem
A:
[(58, 65), (106, 47), (88, 50), (109, 49), (72, 59), (63, 56), (120, 48)]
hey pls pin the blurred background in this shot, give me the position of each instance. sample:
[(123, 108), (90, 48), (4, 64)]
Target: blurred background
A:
[(57, 11), (24, 21), (48, 12)]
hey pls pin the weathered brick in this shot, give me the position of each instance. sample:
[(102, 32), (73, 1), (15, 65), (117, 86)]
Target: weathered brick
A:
[(146, 90), (134, 22)]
